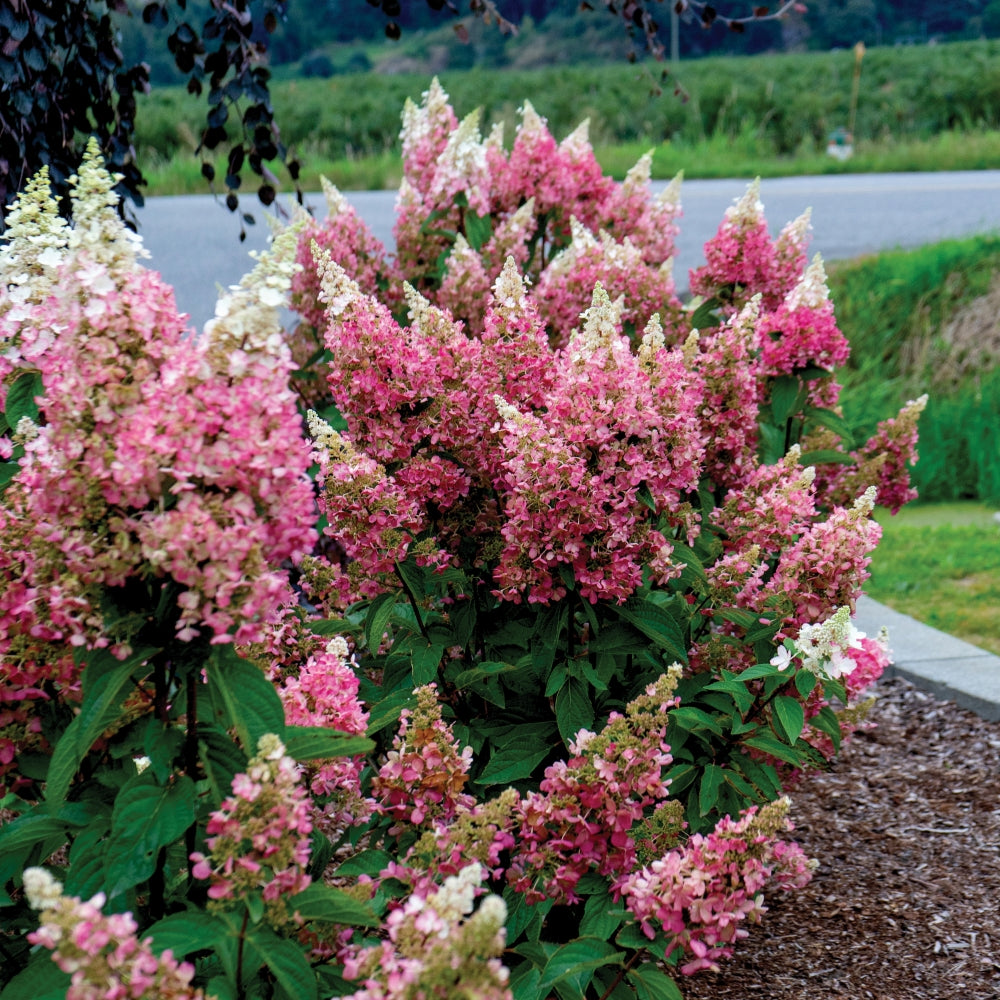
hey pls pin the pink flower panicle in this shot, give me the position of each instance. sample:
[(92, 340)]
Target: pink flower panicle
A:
[(437, 945), (583, 815), (740, 257), (699, 894), (259, 838), (323, 691), (424, 773), (102, 954)]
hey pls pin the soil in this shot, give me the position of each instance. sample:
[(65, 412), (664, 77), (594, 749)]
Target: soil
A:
[(906, 902)]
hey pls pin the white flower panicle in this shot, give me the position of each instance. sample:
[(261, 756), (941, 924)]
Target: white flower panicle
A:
[(41, 888), (748, 209), (811, 291)]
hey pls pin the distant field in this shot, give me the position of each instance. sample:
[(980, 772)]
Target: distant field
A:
[(920, 108)]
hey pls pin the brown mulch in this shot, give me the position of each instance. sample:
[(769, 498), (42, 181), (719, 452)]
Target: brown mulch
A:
[(906, 902)]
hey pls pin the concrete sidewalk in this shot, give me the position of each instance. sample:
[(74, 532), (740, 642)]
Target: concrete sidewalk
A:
[(947, 667)]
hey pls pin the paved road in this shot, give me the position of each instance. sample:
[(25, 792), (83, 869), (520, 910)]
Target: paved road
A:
[(194, 241)]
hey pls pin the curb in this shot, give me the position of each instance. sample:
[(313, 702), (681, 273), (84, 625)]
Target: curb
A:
[(949, 668)]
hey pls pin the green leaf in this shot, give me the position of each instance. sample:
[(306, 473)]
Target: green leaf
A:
[(826, 721), (386, 712), (804, 683), (788, 717), (367, 862), (426, 658), (645, 496), (830, 420), (704, 315), (221, 757), (42, 979), (247, 699), (331, 626), (601, 916), (655, 623), (694, 718), (769, 745), (8, 470), (413, 576), (512, 764), (187, 932), (478, 229), (762, 775), (826, 456), (103, 682), (21, 398), (574, 963), (488, 668), (287, 963), (574, 709), (652, 983), (320, 743), (785, 402), (146, 817), (377, 619), (322, 902), (85, 872), (708, 791)]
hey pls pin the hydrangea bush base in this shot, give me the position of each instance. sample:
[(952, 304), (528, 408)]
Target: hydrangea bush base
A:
[(504, 702)]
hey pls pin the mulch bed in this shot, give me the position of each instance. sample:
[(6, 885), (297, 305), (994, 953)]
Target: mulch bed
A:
[(906, 902)]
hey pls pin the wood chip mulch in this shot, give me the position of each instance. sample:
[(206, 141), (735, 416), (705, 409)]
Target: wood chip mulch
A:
[(906, 902)]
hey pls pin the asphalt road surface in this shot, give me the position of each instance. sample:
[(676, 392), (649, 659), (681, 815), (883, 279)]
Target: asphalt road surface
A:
[(194, 240)]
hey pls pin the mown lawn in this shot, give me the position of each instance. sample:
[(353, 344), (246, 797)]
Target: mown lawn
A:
[(940, 563)]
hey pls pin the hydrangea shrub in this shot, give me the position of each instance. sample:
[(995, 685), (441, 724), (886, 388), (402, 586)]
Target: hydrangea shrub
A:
[(503, 701)]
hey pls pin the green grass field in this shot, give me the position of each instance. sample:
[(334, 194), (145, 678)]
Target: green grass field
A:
[(940, 563), (919, 108)]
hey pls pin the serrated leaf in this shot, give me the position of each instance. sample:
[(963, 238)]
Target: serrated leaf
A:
[(708, 791), (574, 708), (512, 764), (762, 775), (601, 916), (575, 962), (221, 757), (789, 717), (826, 456), (786, 391), (486, 669), (769, 745), (101, 698), (187, 932), (42, 979), (645, 496), (652, 983), (478, 229), (248, 700), (20, 400), (830, 420), (386, 712), (826, 721), (287, 963), (377, 619), (332, 906), (705, 316), (368, 862), (320, 743), (805, 682), (694, 718), (655, 623), (146, 817)]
